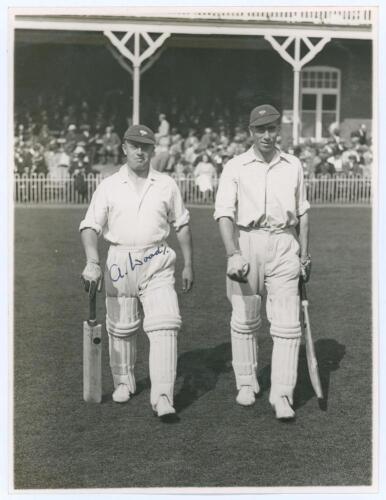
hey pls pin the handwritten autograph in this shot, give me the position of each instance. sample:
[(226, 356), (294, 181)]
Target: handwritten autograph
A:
[(116, 272)]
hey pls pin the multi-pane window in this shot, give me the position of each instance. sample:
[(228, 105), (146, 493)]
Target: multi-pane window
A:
[(320, 95)]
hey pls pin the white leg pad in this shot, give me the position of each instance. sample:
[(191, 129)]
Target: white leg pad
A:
[(244, 359), (283, 311), (123, 355), (284, 368), (246, 313), (161, 310), (162, 364), (284, 314), (122, 316)]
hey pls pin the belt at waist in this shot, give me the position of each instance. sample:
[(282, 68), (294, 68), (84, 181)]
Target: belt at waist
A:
[(139, 248), (276, 230)]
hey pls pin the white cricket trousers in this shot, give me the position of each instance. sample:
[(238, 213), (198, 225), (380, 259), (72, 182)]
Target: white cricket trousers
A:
[(142, 278), (274, 262)]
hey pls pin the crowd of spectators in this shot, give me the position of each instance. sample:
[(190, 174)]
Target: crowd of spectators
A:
[(70, 139)]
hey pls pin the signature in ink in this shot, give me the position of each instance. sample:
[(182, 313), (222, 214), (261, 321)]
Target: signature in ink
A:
[(116, 272)]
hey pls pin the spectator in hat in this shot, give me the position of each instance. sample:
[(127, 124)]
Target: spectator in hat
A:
[(325, 167), (362, 134), (352, 150), (71, 139)]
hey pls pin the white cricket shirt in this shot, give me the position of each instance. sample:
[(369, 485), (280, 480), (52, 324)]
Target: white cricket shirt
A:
[(135, 220), (254, 193)]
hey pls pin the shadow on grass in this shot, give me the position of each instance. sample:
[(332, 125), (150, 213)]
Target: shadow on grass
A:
[(329, 354), (200, 370)]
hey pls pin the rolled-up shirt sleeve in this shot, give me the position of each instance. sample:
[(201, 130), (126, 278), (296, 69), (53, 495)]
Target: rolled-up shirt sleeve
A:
[(178, 215), (96, 216), (226, 197), (302, 204)]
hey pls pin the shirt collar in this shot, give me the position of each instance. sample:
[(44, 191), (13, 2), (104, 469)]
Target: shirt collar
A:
[(152, 175), (251, 156)]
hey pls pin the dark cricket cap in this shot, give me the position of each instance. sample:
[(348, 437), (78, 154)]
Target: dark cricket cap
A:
[(139, 133), (262, 115)]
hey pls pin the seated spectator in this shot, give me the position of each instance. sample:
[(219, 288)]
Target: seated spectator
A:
[(352, 150), (161, 154), (325, 167), (111, 144), (362, 134), (218, 159), (44, 136), (175, 152), (336, 160), (352, 166), (310, 160), (205, 176), (20, 158), (206, 139), (51, 156), (368, 164), (182, 168), (72, 137), (223, 138), (334, 139), (63, 162), (36, 158), (191, 140)]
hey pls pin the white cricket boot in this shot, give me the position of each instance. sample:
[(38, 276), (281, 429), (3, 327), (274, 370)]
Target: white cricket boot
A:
[(246, 396), (121, 393), (163, 407), (283, 409)]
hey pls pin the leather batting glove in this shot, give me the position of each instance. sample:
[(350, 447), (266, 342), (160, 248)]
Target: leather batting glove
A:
[(92, 277), (305, 268), (237, 268)]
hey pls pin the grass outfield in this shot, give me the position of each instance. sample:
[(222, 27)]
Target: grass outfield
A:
[(62, 442)]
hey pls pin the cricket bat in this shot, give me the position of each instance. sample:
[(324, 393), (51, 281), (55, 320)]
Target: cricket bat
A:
[(310, 350), (92, 355)]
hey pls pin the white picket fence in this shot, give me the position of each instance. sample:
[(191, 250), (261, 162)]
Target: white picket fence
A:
[(42, 189)]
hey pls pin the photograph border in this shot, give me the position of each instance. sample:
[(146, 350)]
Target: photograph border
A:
[(377, 271)]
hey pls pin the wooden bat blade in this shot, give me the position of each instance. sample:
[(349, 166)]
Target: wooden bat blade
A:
[(92, 363), (310, 353)]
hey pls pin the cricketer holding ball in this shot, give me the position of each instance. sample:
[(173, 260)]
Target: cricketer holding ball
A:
[(133, 209), (261, 209)]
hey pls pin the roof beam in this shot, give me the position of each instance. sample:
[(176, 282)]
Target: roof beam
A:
[(196, 27)]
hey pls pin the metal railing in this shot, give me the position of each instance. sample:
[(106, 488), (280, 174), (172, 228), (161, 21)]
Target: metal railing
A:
[(41, 189), (347, 16)]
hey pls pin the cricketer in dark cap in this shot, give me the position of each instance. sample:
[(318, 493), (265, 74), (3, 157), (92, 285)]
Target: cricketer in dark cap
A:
[(264, 126), (138, 146), (134, 210), (262, 211), (139, 133)]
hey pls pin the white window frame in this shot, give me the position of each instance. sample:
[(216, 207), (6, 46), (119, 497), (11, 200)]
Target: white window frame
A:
[(319, 92)]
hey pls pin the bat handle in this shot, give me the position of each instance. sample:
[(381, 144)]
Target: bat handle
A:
[(302, 289), (92, 321)]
